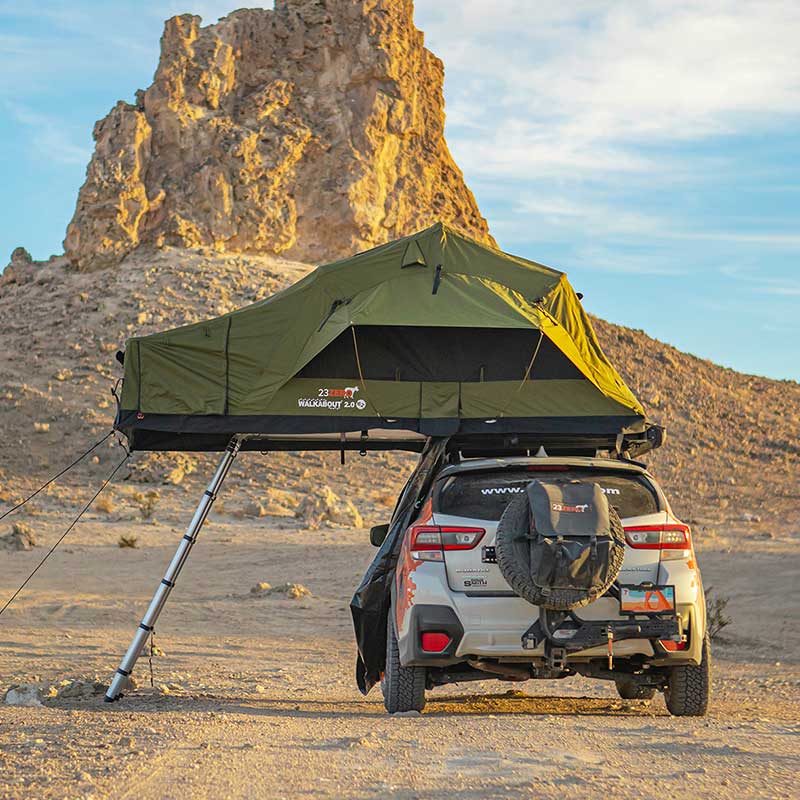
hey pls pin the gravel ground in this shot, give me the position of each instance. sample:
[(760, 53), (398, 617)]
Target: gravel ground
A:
[(254, 696)]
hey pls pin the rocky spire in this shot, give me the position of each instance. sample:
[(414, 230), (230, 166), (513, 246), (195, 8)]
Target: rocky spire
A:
[(313, 130)]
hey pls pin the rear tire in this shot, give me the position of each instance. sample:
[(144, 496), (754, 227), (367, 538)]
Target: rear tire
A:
[(689, 688), (628, 690), (403, 687)]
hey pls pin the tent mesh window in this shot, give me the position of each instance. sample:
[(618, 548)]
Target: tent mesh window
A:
[(464, 355)]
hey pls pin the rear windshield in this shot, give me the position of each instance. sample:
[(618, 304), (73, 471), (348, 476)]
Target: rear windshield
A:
[(485, 495)]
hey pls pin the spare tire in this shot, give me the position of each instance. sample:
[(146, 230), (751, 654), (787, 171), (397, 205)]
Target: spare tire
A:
[(557, 572)]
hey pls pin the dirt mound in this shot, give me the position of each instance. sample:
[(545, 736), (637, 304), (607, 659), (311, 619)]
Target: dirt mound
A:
[(732, 448), (290, 591), (324, 507)]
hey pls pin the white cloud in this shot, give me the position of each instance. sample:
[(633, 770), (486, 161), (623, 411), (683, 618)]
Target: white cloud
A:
[(604, 232), (783, 291), (51, 139), (765, 238), (591, 218), (647, 261), (576, 87), (761, 283), (614, 133), (521, 149)]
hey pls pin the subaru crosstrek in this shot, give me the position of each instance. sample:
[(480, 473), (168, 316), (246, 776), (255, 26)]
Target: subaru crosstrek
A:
[(454, 616)]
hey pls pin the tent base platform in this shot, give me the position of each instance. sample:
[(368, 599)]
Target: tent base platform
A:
[(566, 440)]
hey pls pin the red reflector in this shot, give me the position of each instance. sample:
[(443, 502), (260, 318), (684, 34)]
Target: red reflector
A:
[(667, 644), (434, 642)]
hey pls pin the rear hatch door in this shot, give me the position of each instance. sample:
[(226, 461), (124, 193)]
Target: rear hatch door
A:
[(478, 498)]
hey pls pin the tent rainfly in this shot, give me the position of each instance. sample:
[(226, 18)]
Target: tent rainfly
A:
[(426, 340), (433, 334)]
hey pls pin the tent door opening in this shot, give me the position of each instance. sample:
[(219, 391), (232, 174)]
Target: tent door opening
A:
[(439, 354)]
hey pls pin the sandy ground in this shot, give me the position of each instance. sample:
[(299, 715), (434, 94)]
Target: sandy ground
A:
[(254, 697)]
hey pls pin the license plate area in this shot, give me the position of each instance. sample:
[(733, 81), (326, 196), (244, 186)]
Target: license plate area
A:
[(647, 599)]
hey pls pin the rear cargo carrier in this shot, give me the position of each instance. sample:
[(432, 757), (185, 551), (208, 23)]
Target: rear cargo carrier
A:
[(559, 544)]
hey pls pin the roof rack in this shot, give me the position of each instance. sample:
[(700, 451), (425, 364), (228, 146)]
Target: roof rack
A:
[(624, 447)]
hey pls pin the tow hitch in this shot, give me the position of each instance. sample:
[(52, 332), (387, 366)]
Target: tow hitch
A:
[(565, 632)]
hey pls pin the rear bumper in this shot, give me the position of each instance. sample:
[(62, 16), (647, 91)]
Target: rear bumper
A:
[(503, 641), (430, 619), (492, 627)]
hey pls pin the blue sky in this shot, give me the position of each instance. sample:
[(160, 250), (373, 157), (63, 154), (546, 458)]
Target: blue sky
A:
[(649, 149)]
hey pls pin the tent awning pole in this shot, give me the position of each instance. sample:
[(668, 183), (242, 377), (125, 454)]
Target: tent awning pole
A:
[(121, 678)]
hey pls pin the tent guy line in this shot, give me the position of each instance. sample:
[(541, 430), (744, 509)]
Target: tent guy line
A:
[(71, 525), (57, 475)]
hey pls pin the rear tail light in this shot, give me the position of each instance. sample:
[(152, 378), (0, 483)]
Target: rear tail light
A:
[(428, 542), (673, 647), (426, 537), (434, 642), (659, 537)]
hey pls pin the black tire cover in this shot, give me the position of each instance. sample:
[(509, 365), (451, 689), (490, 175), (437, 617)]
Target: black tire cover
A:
[(512, 547)]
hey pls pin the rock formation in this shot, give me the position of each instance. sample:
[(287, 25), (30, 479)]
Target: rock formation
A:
[(313, 130)]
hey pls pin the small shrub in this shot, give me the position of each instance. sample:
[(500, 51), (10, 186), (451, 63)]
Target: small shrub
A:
[(716, 618), (105, 503), (146, 502), (127, 540)]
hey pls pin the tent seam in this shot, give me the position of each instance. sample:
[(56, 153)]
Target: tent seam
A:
[(140, 376), (227, 367)]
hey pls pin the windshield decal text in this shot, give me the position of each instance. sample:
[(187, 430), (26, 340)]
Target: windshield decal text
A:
[(517, 489)]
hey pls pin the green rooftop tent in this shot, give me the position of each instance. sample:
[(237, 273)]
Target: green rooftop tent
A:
[(433, 335), (429, 339)]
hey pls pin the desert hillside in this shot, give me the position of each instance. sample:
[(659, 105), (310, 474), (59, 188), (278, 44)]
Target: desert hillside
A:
[(312, 130), (731, 457)]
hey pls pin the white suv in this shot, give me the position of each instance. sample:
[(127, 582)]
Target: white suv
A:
[(455, 618)]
